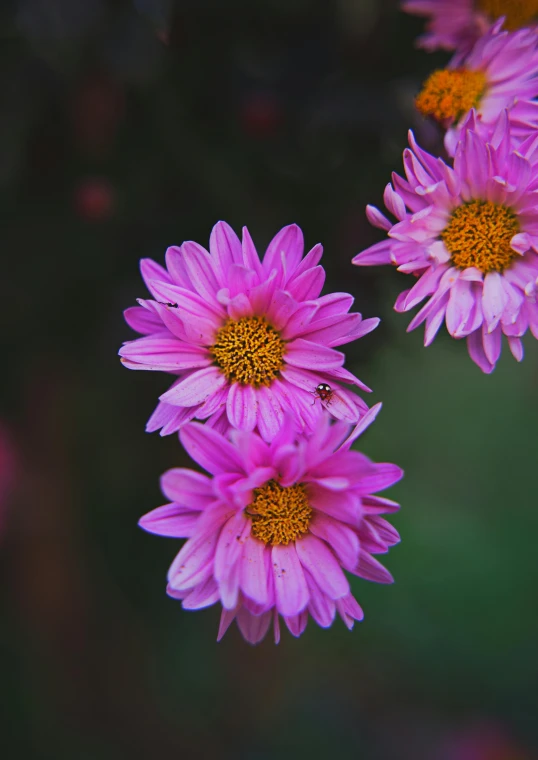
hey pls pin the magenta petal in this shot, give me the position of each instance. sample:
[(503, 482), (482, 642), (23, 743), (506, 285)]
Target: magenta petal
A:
[(476, 351), (308, 285), (226, 619), (270, 414), (241, 406), (322, 565), (289, 241), (340, 537), (493, 299), (303, 353), (187, 487), (297, 623), (142, 320), (225, 248), (210, 449), (196, 388), (170, 520), (165, 354), (194, 562), (253, 627), (290, 585), (372, 570), (253, 575), (320, 606), (203, 595)]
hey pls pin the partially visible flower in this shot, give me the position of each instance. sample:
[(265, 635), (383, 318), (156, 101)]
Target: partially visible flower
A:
[(499, 73), (249, 340), (273, 529), (470, 235), (457, 24)]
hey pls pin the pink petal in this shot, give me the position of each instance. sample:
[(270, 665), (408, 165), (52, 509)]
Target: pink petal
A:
[(304, 353), (340, 537), (322, 565), (242, 406), (253, 574), (290, 585), (194, 562), (171, 520), (203, 595), (196, 388), (253, 627), (289, 241), (210, 449), (372, 570), (494, 299), (142, 320)]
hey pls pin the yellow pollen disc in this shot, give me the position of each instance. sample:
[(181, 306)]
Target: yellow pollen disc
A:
[(518, 13), (249, 351), (279, 515), (449, 93), (479, 234)]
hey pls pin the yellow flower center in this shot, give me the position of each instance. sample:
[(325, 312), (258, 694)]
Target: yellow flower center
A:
[(518, 13), (279, 515), (479, 234), (249, 351), (449, 93)]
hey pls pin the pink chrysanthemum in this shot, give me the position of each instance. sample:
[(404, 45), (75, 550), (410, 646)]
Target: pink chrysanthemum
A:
[(249, 340), (274, 528), (457, 24), (470, 234), (499, 73)]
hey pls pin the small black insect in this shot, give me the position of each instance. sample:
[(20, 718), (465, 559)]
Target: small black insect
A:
[(324, 392), (165, 303)]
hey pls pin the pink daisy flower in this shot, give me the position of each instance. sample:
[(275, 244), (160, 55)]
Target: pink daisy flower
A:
[(248, 340), (470, 235), (274, 526), (457, 24), (499, 73)]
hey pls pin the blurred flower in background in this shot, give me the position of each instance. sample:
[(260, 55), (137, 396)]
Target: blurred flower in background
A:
[(7, 474)]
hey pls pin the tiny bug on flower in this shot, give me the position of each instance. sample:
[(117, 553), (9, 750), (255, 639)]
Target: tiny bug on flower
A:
[(171, 305), (324, 392)]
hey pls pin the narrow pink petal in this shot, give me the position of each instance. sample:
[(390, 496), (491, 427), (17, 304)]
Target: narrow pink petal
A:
[(516, 347), (187, 487), (322, 565), (226, 619), (253, 627), (225, 248), (270, 413), (203, 595), (289, 241), (476, 351), (194, 562), (340, 537), (200, 270), (142, 320), (364, 422), (492, 342), (171, 520), (169, 418), (303, 353), (253, 575), (383, 476), (377, 219), (308, 285), (210, 449), (297, 623), (349, 610), (290, 585), (196, 388), (251, 260), (372, 570), (320, 606), (494, 299), (167, 354), (242, 406)]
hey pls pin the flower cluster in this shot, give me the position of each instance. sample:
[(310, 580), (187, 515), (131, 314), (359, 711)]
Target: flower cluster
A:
[(467, 228), (287, 508)]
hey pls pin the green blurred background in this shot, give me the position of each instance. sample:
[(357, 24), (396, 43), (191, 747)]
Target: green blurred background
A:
[(129, 126)]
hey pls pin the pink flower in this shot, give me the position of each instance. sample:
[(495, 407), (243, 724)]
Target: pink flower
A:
[(470, 235), (272, 529), (499, 73), (248, 340), (457, 24)]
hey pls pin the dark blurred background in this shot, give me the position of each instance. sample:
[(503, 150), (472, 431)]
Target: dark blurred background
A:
[(126, 127)]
